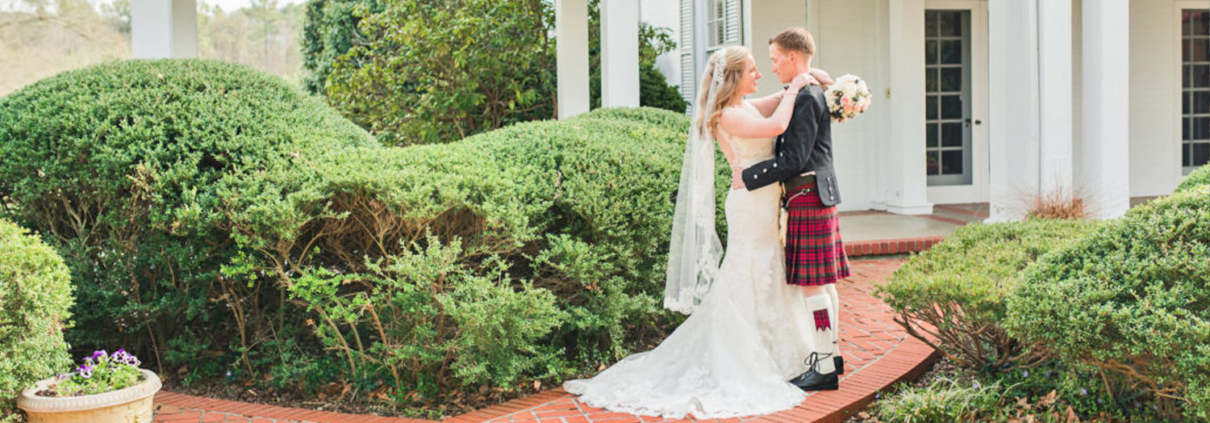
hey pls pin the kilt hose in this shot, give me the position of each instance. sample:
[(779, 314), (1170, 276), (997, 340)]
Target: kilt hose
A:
[(814, 251)]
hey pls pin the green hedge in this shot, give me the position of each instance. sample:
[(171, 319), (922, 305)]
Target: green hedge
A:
[(1132, 299), (128, 168), (221, 210), (35, 294), (573, 216), (953, 295), (1199, 178)]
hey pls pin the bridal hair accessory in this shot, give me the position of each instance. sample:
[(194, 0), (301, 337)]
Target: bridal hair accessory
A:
[(720, 65)]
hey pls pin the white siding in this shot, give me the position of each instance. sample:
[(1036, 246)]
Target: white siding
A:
[(1155, 138), (849, 39), (770, 17), (688, 57), (734, 34)]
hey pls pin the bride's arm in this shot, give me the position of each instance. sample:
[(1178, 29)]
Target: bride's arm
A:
[(747, 125), (768, 104)]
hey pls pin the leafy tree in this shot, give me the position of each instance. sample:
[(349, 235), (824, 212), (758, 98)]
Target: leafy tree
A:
[(492, 63), (266, 19), (265, 34), (439, 70), (329, 31), (118, 14)]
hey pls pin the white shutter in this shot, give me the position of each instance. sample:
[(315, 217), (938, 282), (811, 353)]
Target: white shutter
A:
[(688, 64), (733, 31)]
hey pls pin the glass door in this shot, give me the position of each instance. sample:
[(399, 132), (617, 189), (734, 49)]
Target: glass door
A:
[(947, 41)]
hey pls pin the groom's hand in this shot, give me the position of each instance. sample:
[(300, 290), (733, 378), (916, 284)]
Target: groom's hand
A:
[(737, 178)]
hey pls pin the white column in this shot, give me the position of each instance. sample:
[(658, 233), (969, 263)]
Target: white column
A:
[(162, 29), (1013, 111), (1106, 81), (619, 53), (905, 187), (1054, 95), (571, 31)]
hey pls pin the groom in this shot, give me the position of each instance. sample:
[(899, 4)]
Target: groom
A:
[(815, 257)]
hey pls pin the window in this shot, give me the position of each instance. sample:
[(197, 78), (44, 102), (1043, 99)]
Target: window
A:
[(716, 23), (1195, 88), (722, 24)]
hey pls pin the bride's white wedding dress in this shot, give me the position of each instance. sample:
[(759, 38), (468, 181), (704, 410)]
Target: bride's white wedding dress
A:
[(733, 355)]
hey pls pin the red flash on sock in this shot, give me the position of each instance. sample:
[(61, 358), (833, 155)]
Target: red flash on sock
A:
[(821, 320)]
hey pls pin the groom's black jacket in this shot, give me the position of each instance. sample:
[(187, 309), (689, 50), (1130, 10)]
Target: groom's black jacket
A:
[(806, 146)]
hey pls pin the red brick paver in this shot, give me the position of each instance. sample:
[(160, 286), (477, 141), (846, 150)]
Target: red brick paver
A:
[(884, 247), (878, 353)]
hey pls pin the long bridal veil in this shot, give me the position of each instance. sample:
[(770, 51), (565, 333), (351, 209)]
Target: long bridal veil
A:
[(695, 251)]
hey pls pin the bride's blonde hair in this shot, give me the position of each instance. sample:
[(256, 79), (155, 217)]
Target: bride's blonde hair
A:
[(732, 60)]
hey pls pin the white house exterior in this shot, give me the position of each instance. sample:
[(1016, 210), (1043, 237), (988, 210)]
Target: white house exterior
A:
[(997, 101), (994, 101)]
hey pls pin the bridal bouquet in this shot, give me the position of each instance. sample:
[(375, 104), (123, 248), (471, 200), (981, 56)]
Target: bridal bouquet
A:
[(847, 97)]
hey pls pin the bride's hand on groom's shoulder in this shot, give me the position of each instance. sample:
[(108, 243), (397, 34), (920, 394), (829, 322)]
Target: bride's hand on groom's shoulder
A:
[(802, 80), (821, 77)]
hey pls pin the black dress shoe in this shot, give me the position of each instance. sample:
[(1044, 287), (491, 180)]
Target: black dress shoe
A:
[(814, 381), (839, 361)]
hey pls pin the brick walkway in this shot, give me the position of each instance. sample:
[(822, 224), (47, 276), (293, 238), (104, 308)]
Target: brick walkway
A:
[(877, 354)]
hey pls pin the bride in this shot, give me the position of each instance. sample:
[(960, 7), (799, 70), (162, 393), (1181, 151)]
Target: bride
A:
[(748, 332)]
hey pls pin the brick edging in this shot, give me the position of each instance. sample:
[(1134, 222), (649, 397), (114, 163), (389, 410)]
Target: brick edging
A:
[(890, 246), (510, 407), (907, 361), (212, 405)]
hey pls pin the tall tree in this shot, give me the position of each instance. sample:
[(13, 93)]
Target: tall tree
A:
[(266, 18)]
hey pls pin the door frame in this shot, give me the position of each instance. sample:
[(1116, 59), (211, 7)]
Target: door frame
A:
[(977, 191)]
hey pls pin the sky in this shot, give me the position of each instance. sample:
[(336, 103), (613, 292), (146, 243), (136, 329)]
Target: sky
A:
[(226, 4)]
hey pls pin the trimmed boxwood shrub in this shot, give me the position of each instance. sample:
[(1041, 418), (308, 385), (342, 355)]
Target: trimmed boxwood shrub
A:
[(35, 294), (953, 295), (126, 168), (572, 215), (1198, 178), (211, 209), (1131, 299)]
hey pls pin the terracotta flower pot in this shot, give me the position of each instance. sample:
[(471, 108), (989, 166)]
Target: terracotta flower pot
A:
[(130, 405)]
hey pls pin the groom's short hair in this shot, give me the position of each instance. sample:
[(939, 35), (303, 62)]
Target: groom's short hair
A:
[(795, 39)]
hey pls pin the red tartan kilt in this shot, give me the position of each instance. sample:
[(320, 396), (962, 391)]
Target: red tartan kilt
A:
[(814, 252)]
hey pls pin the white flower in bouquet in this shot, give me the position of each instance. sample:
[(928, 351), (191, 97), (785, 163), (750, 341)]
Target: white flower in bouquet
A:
[(847, 97)]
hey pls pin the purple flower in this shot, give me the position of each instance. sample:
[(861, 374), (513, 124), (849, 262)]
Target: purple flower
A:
[(125, 358), (85, 371), (1026, 373), (1083, 391), (98, 355)]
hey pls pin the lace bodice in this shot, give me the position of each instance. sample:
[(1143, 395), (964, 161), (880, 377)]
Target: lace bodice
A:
[(750, 151)]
